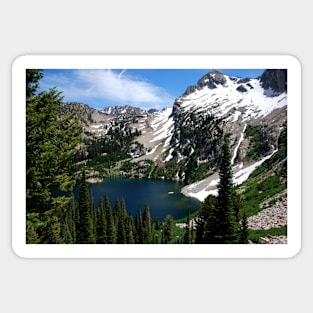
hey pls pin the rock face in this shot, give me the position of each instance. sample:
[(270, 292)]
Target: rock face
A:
[(86, 114), (275, 80), (125, 110), (210, 80), (241, 88), (218, 104)]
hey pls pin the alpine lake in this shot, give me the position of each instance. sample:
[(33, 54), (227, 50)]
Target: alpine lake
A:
[(162, 196)]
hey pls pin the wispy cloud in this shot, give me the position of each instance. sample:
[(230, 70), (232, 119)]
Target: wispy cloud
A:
[(108, 87)]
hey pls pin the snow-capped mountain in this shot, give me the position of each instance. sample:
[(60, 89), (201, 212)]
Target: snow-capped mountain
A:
[(233, 98), (186, 139), (234, 103), (184, 142)]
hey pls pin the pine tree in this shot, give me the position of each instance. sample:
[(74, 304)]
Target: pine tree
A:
[(130, 229), (168, 229), (224, 229), (84, 231), (69, 224), (119, 213), (204, 219), (110, 229), (187, 235), (139, 228), (50, 146), (147, 224), (101, 223), (217, 220), (244, 229)]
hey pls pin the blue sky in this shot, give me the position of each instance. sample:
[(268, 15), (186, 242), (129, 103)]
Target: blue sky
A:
[(145, 88)]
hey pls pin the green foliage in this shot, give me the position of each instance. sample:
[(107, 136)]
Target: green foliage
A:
[(43, 228), (50, 146), (101, 223), (147, 224), (251, 130), (168, 229), (119, 217), (32, 81), (204, 217), (244, 229), (188, 230), (85, 227), (258, 190), (254, 235), (268, 164), (218, 218)]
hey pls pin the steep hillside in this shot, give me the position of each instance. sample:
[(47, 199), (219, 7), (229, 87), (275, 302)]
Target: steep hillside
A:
[(252, 111)]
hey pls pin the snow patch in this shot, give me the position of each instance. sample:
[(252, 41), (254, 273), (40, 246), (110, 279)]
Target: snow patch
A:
[(200, 190), (244, 174), (239, 142)]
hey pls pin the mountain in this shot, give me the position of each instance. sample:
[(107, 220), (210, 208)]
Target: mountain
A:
[(252, 110), (184, 142), (124, 110)]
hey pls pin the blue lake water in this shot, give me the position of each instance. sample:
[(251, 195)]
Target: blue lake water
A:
[(162, 196)]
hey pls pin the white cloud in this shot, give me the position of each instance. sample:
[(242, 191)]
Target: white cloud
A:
[(120, 88)]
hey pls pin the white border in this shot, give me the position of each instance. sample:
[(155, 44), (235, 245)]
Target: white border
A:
[(155, 62)]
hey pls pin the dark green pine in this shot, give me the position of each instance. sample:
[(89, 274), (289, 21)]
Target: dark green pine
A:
[(224, 224), (85, 231), (139, 238), (187, 235), (110, 228), (147, 224), (119, 214), (244, 229), (101, 223)]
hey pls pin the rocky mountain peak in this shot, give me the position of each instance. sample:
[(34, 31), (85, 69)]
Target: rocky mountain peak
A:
[(124, 110), (210, 80), (275, 79)]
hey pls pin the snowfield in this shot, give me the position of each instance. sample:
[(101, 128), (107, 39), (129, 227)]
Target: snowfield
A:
[(227, 100), (208, 186)]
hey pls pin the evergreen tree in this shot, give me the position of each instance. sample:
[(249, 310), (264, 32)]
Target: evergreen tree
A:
[(187, 235), (147, 225), (69, 227), (139, 228), (32, 81), (84, 231), (204, 219), (101, 223), (216, 222), (130, 229), (223, 226), (244, 229), (110, 228), (119, 213), (168, 229), (50, 146)]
